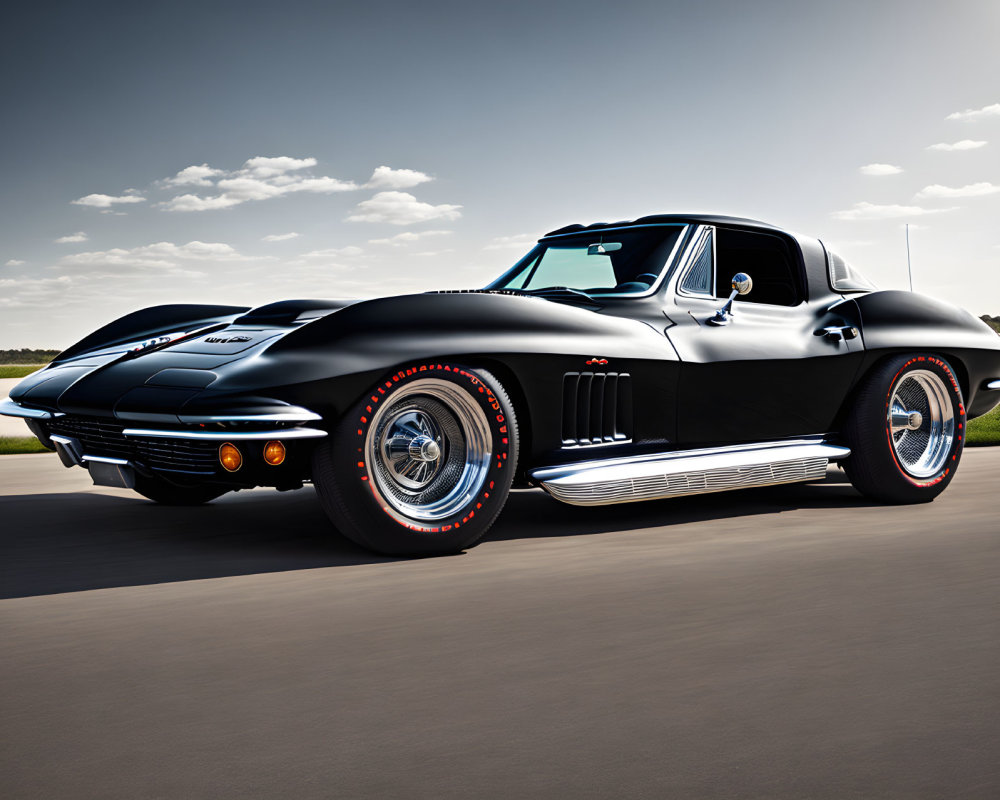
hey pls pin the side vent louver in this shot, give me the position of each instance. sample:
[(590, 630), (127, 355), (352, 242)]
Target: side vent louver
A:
[(597, 408)]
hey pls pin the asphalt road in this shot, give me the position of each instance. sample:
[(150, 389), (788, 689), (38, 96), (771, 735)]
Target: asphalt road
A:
[(791, 642)]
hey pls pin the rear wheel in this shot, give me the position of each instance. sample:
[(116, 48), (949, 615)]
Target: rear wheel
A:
[(906, 430), (161, 491), (423, 463)]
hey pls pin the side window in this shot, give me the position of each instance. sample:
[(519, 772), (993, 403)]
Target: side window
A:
[(700, 276), (767, 259)]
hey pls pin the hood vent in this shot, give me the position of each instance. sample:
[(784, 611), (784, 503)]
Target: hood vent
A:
[(286, 312)]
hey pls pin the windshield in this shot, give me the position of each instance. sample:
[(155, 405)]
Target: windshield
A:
[(627, 261)]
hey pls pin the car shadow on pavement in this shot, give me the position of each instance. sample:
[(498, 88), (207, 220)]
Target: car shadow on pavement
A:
[(52, 543), (55, 543)]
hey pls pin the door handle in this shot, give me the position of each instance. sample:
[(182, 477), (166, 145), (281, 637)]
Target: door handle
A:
[(837, 333)]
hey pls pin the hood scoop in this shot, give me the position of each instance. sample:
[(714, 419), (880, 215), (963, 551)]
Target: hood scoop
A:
[(285, 312)]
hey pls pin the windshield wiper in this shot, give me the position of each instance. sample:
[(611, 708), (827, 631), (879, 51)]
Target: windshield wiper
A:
[(562, 293)]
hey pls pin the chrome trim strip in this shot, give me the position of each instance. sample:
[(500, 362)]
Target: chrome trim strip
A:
[(687, 472), (222, 436), (993, 384), (289, 414), (687, 260), (10, 408), (617, 228), (121, 462)]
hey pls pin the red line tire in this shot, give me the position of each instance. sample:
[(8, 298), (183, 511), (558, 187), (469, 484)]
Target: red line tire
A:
[(423, 463), (906, 430)]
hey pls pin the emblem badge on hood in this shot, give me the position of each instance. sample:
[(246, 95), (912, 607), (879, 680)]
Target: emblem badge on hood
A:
[(227, 339)]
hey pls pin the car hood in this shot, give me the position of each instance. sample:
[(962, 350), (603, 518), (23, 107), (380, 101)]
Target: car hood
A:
[(259, 351)]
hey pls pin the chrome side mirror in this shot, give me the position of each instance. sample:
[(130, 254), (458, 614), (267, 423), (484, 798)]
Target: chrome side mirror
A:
[(742, 284)]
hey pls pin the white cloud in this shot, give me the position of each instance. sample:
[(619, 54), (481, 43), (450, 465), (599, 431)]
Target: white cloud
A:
[(266, 167), (79, 236), (388, 178), (32, 292), (869, 211), (401, 208), (334, 252), (880, 169), (107, 200), (976, 113), (280, 237), (936, 190), (192, 202), (260, 178), (194, 176), (15, 262), (427, 253), (408, 237), (519, 241), (163, 256), (964, 144)]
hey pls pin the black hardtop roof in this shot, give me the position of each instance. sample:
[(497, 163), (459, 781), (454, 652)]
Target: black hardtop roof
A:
[(663, 219)]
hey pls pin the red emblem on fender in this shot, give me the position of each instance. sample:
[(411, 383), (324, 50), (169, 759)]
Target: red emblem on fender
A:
[(597, 361)]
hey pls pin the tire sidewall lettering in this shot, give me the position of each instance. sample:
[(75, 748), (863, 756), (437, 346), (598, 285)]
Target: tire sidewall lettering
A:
[(482, 395), (958, 407)]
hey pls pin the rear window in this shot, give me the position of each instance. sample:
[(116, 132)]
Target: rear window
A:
[(844, 277)]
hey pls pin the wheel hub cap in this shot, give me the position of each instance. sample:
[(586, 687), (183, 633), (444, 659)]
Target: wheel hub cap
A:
[(411, 448), (423, 448), (906, 420), (921, 422), (429, 447)]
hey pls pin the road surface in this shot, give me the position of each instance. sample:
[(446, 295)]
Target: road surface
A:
[(783, 643)]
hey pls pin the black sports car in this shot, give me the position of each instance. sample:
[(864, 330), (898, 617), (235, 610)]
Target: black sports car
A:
[(613, 363)]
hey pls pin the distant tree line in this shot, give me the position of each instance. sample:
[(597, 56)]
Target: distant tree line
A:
[(993, 322), (25, 356)]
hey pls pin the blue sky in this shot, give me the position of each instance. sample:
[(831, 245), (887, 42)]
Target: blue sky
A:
[(167, 152)]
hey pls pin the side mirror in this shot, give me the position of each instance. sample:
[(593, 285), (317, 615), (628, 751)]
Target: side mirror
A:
[(742, 284)]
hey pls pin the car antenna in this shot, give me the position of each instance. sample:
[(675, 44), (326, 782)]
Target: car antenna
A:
[(909, 269)]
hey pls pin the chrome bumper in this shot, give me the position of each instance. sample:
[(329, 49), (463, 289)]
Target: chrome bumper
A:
[(9, 408)]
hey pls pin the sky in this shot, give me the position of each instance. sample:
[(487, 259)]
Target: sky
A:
[(246, 152)]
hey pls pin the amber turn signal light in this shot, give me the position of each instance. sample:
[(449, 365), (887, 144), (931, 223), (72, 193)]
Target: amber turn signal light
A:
[(230, 457), (274, 453)]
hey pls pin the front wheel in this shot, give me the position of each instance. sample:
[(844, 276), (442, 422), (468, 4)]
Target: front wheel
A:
[(906, 430), (423, 463)]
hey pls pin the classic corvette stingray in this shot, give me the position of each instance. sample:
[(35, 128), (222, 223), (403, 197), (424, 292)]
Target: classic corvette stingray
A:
[(671, 355)]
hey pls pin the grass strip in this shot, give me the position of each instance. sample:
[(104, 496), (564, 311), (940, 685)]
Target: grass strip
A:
[(15, 445), (18, 370), (984, 430)]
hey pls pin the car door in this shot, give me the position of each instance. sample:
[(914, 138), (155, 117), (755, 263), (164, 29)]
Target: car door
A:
[(780, 366)]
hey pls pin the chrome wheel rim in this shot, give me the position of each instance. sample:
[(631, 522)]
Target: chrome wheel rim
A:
[(428, 449), (921, 422)]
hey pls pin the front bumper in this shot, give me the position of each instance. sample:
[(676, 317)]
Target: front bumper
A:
[(183, 452)]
